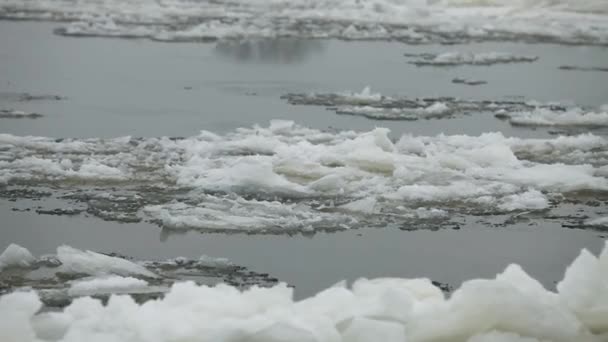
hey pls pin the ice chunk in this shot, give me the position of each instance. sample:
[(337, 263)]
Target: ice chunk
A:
[(529, 200), (76, 261), (15, 255), (584, 289), (363, 96)]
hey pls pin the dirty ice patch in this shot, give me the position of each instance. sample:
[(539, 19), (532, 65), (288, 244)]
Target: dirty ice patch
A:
[(511, 307), (456, 58)]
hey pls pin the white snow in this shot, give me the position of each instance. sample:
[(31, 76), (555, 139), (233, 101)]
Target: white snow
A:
[(423, 21), (15, 255), (111, 284), (512, 307)]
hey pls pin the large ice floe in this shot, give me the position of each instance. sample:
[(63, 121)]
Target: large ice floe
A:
[(377, 106), (512, 307), (72, 273), (285, 178), (414, 21)]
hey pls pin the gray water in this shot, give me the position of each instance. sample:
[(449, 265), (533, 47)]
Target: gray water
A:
[(116, 87)]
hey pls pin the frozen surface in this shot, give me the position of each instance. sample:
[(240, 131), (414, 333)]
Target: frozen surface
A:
[(512, 307), (287, 178), (416, 21)]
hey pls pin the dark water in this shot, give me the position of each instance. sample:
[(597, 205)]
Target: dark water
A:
[(142, 88)]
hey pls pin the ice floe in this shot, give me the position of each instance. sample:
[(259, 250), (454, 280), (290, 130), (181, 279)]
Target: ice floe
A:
[(512, 307), (377, 106), (548, 117), (285, 178), (413, 21)]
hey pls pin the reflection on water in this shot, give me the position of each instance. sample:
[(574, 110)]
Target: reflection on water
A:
[(272, 51)]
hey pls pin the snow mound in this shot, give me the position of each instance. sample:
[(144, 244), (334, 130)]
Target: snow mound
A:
[(512, 307)]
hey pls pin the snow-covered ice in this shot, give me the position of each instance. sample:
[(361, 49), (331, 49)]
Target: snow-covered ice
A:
[(415, 21), (512, 307)]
